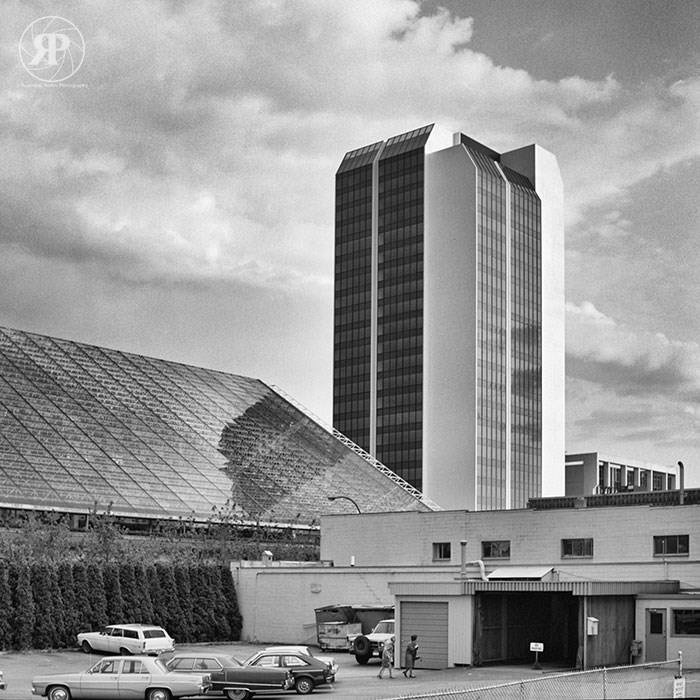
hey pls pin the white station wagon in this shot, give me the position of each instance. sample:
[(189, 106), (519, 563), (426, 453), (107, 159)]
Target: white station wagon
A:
[(127, 639)]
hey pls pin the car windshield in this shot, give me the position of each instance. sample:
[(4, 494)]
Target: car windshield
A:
[(385, 627)]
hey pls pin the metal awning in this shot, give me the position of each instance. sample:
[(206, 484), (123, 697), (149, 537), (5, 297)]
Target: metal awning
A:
[(522, 573)]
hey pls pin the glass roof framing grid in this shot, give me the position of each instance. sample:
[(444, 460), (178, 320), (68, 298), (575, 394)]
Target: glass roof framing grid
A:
[(128, 485), (227, 385), (260, 469), (68, 364), (294, 448), (218, 393), (31, 435), (206, 410), (207, 430), (26, 427), (140, 413), (31, 470)]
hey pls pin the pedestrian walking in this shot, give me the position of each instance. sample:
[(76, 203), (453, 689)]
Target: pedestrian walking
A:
[(387, 657), (410, 657)]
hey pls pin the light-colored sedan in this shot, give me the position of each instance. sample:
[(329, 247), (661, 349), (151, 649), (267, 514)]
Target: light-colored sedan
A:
[(122, 677)]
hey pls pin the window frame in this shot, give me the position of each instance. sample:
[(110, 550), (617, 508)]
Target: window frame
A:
[(585, 541), (673, 632), (486, 543), (439, 551), (665, 539)]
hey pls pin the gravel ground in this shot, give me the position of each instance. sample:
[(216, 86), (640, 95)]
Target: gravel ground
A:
[(353, 681)]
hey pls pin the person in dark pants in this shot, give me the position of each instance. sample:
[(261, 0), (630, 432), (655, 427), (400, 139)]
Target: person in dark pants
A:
[(410, 657)]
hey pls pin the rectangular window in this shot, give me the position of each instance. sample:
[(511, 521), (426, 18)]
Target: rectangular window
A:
[(442, 551), (581, 547), (671, 545), (686, 622), (496, 549)]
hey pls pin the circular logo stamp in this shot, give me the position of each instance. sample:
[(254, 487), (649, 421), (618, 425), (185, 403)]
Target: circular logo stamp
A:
[(51, 49)]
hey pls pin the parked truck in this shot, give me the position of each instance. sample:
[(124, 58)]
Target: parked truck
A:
[(337, 626)]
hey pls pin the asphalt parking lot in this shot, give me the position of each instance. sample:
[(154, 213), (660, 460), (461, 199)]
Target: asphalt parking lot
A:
[(353, 681)]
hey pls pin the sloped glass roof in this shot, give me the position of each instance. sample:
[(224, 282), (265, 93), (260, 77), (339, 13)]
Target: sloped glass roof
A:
[(83, 426)]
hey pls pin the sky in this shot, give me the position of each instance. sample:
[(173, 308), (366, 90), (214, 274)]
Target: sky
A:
[(174, 196)]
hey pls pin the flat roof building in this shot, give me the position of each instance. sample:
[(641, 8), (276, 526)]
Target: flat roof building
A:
[(449, 316), (595, 473)]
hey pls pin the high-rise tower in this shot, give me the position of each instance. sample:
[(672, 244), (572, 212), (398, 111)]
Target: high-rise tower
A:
[(449, 316)]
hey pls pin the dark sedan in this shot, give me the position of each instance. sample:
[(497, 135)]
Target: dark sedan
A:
[(308, 671), (229, 676)]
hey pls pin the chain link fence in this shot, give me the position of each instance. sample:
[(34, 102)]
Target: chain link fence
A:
[(653, 680)]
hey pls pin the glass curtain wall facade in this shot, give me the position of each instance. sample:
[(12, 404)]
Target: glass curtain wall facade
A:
[(353, 295), (400, 306), (526, 340), (491, 333)]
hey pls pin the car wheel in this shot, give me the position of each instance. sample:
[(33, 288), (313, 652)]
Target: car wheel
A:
[(123, 651), (304, 685), (158, 694), (362, 646), (85, 646), (362, 659), (237, 694), (58, 692)]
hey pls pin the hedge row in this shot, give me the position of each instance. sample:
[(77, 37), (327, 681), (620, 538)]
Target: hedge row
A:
[(44, 606)]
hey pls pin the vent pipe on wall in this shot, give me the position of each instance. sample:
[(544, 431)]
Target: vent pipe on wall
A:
[(464, 562), (681, 482)]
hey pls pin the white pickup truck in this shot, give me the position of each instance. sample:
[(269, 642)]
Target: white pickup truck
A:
[(365, 646)]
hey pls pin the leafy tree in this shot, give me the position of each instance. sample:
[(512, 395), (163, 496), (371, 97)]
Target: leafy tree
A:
[(6, 611), (184, 593), (70, 604), (143, 590), (155, 595), (113, 593), (96, 596), (23, 606), (59, 608), (130, 597), (171, 612), (83, 618), (233, 613)]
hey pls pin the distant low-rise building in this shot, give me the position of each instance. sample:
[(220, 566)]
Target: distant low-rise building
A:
[(598, 580), (595, 473)]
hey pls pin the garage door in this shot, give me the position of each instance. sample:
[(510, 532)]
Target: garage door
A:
[(429, 622)]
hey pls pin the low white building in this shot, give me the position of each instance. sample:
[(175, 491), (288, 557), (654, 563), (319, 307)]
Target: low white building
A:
[(586, 577)]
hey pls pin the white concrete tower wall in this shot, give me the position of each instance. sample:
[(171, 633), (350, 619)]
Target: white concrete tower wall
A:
[(542, 169), (449, 329)]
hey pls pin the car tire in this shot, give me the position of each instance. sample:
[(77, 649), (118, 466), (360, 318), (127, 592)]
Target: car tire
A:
[(237, 694), (304, 685), (85, 646), (362, 660), (362, 646), (58, 692), (123, 651), (158, 694)]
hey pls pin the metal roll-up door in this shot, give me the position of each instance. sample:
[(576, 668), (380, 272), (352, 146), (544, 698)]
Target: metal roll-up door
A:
[(429, 622)]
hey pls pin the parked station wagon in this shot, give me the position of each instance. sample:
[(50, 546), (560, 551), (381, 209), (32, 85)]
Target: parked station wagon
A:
[(127, 639)]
